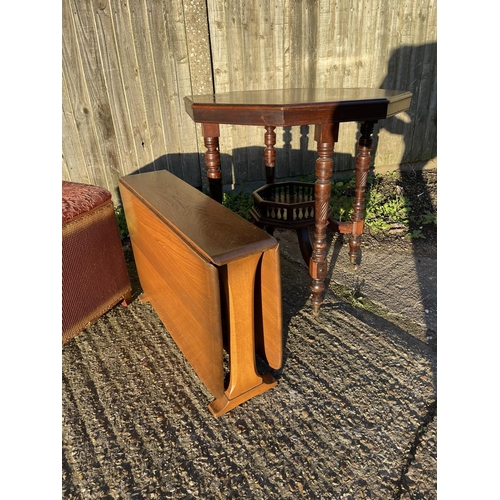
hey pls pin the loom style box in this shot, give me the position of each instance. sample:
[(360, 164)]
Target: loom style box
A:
[(214, 280), (94, 271)]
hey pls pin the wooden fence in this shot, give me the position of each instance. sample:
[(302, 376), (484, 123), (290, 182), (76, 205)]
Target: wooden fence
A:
[(128, 64)]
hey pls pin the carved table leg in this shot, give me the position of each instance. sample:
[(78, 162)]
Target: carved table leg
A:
[(244, 380), (212, 159), (326, 134), (362, 165), (270, 154)]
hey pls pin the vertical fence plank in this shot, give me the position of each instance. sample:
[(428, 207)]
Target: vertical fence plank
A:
[(223, 67), (115, 86), (78, 95), (74, 167), (146, 67), (92, 72), (200, 72), (256, 75), (165, 83), (180, 71), (129, 69)]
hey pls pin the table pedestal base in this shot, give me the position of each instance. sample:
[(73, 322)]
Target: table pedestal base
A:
[(224, 403)]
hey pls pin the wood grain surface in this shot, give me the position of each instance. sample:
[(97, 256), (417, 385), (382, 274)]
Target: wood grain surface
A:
[(211, 229), (212, 277)]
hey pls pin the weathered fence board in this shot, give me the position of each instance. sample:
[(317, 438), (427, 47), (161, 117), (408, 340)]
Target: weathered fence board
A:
[(76, 86), (96, 88), (128, 64), (71, 146), (179, 68), (146, 72), (165, 83), (120, 16), (115, 92)]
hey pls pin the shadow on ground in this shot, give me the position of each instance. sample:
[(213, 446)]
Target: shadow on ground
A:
[(353, 415)]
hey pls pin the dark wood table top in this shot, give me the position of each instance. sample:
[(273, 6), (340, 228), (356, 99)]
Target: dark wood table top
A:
[(287, 107), (211, 229)]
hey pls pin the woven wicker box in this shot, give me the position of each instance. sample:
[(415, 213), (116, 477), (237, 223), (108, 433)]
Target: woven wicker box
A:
[(94, 271)]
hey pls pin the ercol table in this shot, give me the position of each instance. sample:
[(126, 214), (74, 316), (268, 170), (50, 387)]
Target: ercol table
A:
[(326, 108)]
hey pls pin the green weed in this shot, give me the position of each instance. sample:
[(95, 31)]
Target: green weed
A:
[(240, 203), (386, 206), (122, 222), (428, 218)]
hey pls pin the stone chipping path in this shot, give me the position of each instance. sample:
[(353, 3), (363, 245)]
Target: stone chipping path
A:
[(353, 417)]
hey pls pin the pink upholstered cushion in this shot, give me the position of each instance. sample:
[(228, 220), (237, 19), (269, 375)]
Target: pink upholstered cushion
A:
[(79, 198)]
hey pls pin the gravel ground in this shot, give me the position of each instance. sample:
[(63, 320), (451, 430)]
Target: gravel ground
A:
[(353, 417)]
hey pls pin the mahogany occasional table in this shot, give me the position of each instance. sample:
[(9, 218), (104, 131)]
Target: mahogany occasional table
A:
[(326, 108)]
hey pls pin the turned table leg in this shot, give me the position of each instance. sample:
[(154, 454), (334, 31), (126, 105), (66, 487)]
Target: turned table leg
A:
[(326, 134), (270, 154), (362, 165), (212, 159)]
